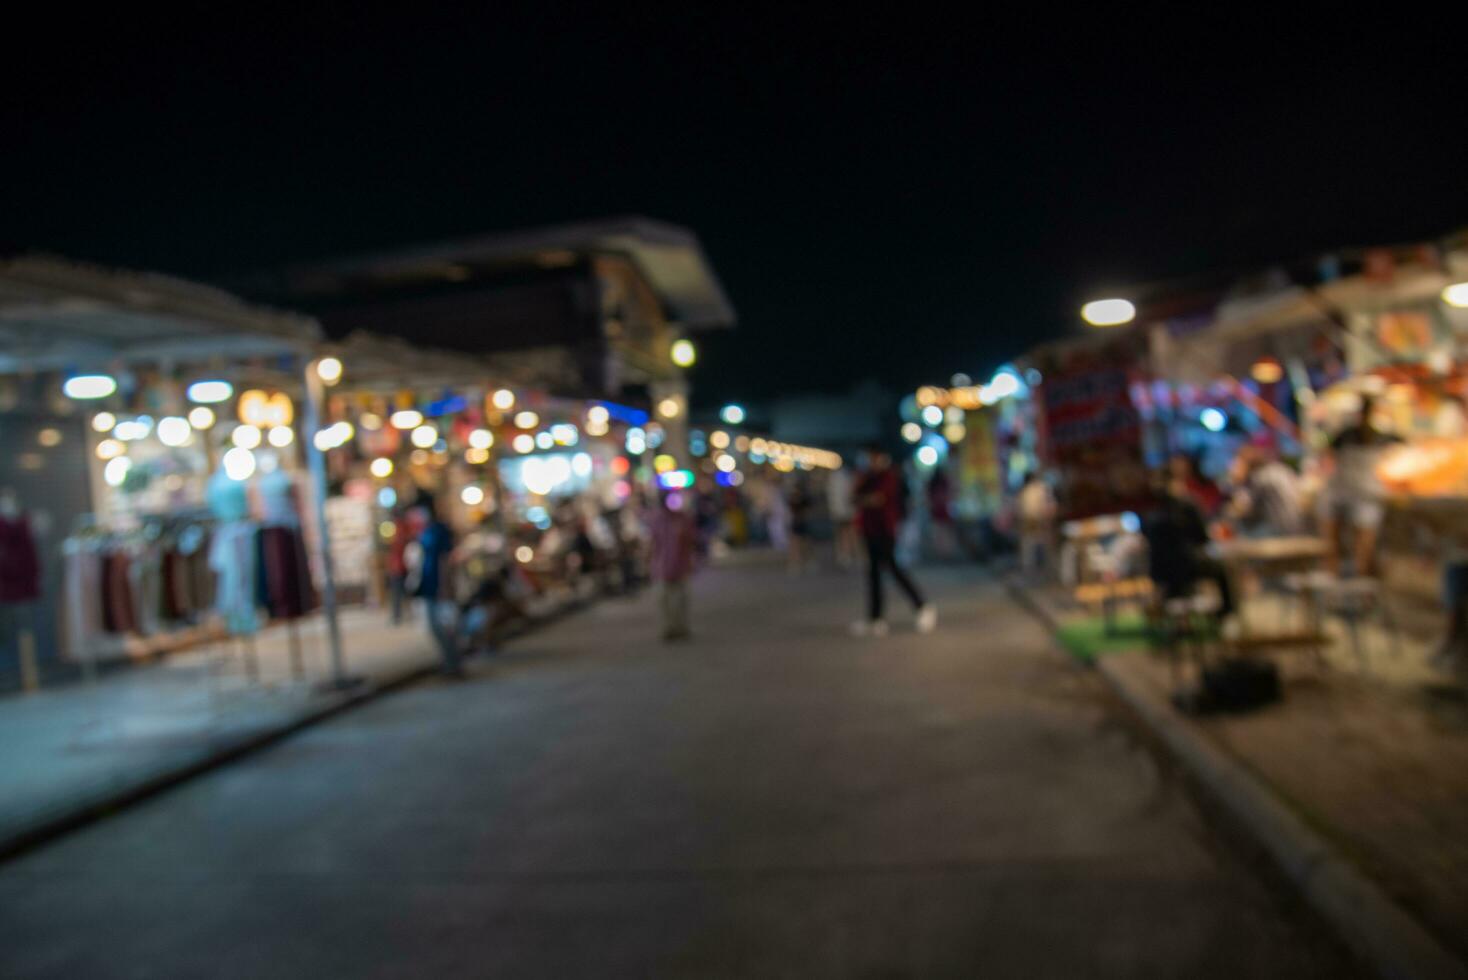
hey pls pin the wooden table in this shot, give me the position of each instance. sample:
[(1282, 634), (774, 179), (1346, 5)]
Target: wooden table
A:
[(1271, 558)]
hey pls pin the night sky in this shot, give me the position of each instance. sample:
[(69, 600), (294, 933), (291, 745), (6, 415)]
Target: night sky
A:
[(883, 196)]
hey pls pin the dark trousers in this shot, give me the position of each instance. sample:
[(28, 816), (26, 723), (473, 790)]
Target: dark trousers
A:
[(882, 554)]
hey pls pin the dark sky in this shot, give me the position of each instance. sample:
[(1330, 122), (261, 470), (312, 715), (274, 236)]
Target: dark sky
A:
[(892, 196)]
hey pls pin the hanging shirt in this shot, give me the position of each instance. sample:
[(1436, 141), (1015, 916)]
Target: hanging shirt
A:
[(20, 567)]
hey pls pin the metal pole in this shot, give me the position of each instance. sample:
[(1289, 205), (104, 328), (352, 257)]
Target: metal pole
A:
[(317, 461)]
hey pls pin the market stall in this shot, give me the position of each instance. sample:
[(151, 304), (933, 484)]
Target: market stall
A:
[(118, 394)]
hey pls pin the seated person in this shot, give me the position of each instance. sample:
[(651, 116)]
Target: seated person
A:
[(1176, 541), (1267, 501)]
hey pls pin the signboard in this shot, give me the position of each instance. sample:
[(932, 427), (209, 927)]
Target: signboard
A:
[(1093, 433)]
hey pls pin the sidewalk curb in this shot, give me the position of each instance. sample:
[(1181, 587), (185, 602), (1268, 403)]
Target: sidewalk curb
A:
[(1388, 938), (112, 801)]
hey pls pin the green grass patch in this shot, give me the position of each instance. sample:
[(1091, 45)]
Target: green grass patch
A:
[(1086, 638)]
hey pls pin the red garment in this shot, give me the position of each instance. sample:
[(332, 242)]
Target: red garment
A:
[(1205, 494), (20, 567), (119, 614), (405, 529), (879, 503), (673, 540)]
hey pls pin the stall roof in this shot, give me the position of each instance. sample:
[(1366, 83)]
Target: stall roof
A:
[(61, 314), (670, 257), (1243, 324)]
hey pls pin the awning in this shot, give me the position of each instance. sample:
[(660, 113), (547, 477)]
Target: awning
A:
[(57, 314), (1285, 322)]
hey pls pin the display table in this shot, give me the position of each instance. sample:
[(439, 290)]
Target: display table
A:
[(1272, 558)]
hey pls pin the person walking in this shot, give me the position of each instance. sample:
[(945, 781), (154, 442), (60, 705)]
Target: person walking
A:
[(802, 508), (435, 545), (1036, 506), (842, 510), (879, 511), (674, 540)]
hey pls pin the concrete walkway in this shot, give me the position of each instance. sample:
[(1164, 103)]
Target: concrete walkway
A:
[(772, 800), (73, 747)]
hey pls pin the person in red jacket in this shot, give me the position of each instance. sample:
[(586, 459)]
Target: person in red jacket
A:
[(878, 494)]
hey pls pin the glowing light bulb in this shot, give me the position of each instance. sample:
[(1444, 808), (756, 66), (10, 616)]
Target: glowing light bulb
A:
[(329, 370), (381, 467), (245, 437)]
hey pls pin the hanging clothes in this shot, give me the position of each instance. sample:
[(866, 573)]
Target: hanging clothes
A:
[(283, 574), (119, 614), (83, 602), (20, 566), (232, 558)]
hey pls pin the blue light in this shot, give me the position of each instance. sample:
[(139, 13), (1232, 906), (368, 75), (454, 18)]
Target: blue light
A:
[(445, 406), (387, 497), (1213, 420), (621, 413), (732, 414), (537, 515), (1131, 523)]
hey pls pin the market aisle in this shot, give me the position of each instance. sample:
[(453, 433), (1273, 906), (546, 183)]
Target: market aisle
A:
[(774, 799)]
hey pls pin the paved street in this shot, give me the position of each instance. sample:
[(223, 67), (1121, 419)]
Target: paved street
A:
[(772, 800)]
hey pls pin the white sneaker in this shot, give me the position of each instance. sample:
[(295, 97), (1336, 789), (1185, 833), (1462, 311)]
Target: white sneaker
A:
[(927, 618), (869, 627)]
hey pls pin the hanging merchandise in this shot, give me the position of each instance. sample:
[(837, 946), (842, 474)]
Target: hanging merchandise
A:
[(282, 574), (20, 566), (232, 555)]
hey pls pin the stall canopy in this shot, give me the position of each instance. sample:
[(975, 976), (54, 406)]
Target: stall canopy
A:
[(57, 314), (1287, 320)]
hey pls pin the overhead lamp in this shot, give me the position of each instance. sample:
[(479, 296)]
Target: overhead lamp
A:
[(504, 399), (329, 370), (683, 353), (116, 470), (210, 392), (406, 418), (239, 464), (174, 431), (245, 436), (1108, 312), (1267, 371), (88, 387)]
